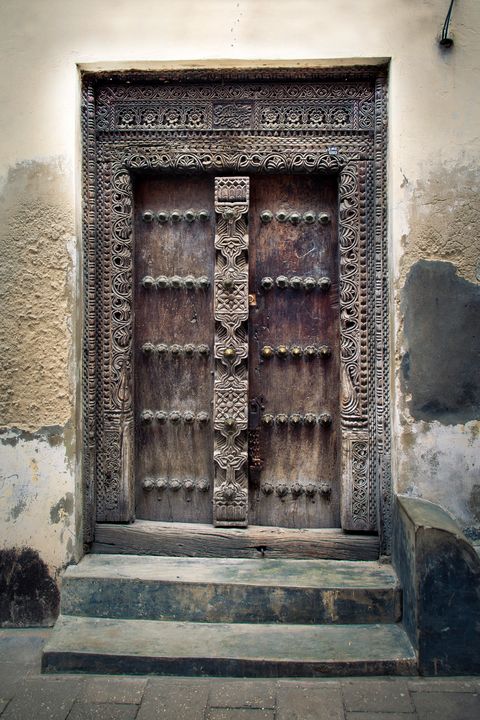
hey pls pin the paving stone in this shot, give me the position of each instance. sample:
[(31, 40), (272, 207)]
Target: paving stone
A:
[(102, 711), (444, 685), (307, 701), (114, 690), (174, 698), (242, 694), (23, 645), (379, 716), (11, 676), (240, 714), (387, 696), (49, 698), (446, 705)]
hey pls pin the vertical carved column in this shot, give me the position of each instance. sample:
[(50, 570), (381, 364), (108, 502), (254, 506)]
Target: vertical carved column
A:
[(230, 497)]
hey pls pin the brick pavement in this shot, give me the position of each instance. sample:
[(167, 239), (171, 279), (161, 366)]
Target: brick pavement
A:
[(25, 694)]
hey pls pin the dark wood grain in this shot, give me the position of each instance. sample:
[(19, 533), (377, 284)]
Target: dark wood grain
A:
[(200, 540), (173, 316), (295, 317)]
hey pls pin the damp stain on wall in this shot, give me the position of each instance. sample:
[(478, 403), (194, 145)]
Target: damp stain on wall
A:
[(29, 595), (442, 338)]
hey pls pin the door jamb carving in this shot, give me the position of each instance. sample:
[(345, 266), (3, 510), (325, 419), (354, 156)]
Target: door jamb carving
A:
[(359, 163)]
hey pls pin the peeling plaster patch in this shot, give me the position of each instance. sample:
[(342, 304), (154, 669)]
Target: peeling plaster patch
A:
[(62, 510), (36, 226), (444, 221), (440, 368), (28, 594)]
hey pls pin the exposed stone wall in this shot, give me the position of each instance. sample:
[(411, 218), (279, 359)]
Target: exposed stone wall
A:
[(434, 153)]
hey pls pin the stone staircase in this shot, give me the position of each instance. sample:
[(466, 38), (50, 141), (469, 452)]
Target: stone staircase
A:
[(229, 617)]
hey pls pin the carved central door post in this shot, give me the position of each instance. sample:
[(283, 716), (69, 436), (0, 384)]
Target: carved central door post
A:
[(230, 496)]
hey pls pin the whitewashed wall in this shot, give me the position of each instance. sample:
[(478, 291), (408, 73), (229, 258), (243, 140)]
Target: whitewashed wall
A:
[(434, 152)]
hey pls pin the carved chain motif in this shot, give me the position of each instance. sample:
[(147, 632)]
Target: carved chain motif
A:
[(231, 351)]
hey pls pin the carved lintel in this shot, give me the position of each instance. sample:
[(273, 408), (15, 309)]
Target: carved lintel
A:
[(231, 351)]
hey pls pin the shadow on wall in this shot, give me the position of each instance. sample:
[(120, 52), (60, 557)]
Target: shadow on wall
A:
[(440, 367), (29, 596)]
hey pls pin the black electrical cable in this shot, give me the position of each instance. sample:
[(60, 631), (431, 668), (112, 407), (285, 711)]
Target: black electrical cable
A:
[(445, 40)]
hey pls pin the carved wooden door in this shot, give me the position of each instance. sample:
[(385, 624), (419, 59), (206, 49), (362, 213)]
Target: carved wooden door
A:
[(294, 352), (237, 350)]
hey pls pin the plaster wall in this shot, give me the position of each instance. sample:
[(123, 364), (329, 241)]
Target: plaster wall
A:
[(434, 152)]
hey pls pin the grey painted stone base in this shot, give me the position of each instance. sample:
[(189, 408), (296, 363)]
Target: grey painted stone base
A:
[(439, 570), (80, 644), (231, 590)]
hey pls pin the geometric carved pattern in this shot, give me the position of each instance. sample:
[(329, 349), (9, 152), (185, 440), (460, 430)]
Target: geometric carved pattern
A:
[(230, 496), (263, 121)]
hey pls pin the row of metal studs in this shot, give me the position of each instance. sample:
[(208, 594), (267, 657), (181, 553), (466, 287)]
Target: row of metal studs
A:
[(309, 352), (175, 484), (296, 282), (175, 417), (162, 349), (296, 420), (176, 282), (310, 490), (309, 217), (176, 216)]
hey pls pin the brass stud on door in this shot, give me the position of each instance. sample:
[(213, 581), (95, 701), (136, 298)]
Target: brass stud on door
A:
[(148, 348), (296, 352), (162, 348), (230, 424), (229, 353), (203, 282), (282, 215), (146, 416), (203, 350), (325, 420), (282, 351), (296, 490), (295, 218), (162, 282), (296, 282), (189, 282), (281, 419), (323, 218), (309, 283), (175, 216), (204, 215), (295, 420), (324, 351), (310, 420), (282, 281), (148, 216), (266, 216), (190, 215), (188, 417), (268, 419), (309, 217), (203, 418), (148, 282), (324, 283), (161, 417), (267, 283), (267, 352), (163, 217), (310, 352), (175, 417)]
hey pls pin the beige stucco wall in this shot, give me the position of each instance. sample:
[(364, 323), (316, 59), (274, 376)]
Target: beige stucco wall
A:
[(434, 152)]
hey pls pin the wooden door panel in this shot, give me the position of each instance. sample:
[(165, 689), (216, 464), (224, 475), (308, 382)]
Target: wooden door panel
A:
[(294, 248), (173, 340)]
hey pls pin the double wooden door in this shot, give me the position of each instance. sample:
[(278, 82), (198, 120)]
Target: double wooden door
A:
[(237, 350)]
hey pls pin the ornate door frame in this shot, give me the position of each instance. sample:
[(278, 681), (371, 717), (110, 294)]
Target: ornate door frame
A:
[(233, 122)]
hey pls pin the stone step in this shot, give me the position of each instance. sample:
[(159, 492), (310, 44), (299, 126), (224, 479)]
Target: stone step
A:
[(231, 590), (106, 645)]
